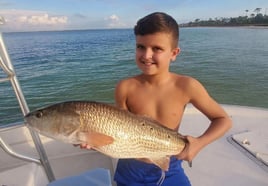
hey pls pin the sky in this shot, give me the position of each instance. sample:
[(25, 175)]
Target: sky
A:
[(43, 15)]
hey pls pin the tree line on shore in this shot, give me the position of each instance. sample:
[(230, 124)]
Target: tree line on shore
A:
[(254, 19)]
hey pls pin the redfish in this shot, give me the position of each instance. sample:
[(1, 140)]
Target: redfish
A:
[(117, 133)]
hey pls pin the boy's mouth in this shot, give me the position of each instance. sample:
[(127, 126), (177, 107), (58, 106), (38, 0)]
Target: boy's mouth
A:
[(148, 63)]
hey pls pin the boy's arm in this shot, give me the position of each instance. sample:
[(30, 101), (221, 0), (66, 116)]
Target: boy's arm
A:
[(220, 121), (121, 95)]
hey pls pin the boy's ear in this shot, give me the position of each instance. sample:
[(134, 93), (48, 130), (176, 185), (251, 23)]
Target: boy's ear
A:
[(175, 52)]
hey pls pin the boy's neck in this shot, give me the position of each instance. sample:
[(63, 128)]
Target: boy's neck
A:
[(157, 79)]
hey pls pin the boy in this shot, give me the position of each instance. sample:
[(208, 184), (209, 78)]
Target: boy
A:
[(163, 96)]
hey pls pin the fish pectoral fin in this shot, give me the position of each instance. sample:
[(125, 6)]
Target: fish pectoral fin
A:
[(162, 162), (95, 139)]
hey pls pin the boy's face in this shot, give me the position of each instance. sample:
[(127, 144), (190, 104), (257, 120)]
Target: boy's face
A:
[(154, 52)]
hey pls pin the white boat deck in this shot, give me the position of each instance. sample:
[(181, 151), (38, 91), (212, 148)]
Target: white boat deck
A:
[(221, 163)]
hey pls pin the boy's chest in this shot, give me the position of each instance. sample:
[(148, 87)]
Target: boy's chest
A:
[(165, 106)]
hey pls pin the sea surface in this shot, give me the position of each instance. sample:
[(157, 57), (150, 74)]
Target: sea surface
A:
[(232, 63)]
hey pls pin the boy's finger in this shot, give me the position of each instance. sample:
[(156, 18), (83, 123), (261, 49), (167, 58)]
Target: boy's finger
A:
[(84, 146)]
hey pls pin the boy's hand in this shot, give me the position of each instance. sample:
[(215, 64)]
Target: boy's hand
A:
[(85, 146), (191, 149), (82, 146)]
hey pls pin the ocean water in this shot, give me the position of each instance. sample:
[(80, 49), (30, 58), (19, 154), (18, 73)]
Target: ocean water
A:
[(232, 63)]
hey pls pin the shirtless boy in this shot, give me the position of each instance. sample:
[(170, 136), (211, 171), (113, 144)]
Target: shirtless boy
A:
[(163, 96)]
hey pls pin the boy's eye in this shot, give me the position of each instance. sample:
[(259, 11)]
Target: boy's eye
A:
[(157, 49), (139, 47)]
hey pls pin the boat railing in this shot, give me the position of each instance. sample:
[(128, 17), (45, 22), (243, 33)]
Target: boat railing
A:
[(12, 153), (8, 69)]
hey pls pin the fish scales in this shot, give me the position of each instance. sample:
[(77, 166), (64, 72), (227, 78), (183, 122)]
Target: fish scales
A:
[(134, 136), (111, 121)]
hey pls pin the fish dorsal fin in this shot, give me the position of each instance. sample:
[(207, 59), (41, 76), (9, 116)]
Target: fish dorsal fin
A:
[(95, 139), (162, 162)]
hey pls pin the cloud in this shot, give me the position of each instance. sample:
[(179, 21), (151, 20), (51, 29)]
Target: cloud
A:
[(114, 21), (32, 17), (25, 20), (31, 20), (44, 19), (114, 18)]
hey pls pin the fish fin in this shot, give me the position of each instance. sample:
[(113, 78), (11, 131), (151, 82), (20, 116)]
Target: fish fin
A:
[(95, 139), (162, 162)]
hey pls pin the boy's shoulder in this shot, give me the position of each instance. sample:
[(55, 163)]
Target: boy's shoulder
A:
[(183, 79), (127, 83), (189, 85), (128, 80)]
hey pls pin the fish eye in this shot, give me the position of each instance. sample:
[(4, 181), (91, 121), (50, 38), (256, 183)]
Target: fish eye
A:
[(39, 114)]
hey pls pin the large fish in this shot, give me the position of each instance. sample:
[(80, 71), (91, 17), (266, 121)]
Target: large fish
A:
[(115, 132)]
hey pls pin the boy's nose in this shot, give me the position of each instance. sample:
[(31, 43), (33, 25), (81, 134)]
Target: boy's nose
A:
[(148, 54)]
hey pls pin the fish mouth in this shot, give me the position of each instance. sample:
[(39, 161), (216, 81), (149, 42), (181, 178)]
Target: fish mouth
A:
[(28, 118), (27, 121)]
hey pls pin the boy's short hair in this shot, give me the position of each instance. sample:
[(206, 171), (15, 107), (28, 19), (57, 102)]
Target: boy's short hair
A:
[(158, 22)]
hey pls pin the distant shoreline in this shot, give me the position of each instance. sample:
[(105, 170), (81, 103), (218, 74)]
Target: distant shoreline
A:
[(224, 26), (180, 25)]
